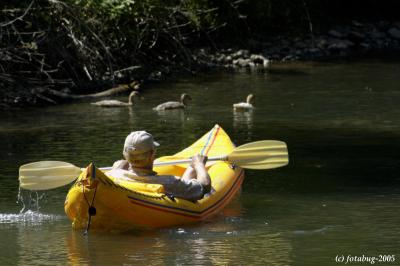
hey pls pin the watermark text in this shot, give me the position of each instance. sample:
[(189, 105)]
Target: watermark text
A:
[(348, 259)]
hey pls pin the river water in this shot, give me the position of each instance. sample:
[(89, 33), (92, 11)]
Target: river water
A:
[(339, 196)]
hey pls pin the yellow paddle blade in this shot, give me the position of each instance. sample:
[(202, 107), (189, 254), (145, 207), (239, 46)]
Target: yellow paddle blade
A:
[(47, 175), (264, 154)]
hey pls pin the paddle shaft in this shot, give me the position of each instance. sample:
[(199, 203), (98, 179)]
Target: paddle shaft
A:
[(183, 161)]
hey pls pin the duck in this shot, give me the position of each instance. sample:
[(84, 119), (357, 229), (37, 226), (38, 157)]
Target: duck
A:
[(174, 105), (247, 106), (116, 103)]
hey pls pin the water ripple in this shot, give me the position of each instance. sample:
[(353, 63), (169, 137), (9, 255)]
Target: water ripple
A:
[(322, 230)]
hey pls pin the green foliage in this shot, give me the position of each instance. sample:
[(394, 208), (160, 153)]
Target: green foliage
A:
[(81, 43), (89, 41), (136, 29)]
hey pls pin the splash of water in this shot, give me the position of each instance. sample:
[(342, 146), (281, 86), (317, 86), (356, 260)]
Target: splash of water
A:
[(30, 213), (29, 199)]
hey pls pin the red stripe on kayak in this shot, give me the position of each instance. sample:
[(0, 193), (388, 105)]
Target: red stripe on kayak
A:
[(164, 210), (208, 139), (228, 196), (214, 138)]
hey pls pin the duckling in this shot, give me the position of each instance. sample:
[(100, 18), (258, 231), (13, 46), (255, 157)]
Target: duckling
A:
[(248, 105), (174, 105), (116, 103)]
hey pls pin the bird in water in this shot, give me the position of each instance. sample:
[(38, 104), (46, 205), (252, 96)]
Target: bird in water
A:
[(116, 103), (174, 105), (248, 105)]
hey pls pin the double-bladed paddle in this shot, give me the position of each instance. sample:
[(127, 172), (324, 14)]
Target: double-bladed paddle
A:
[(264, 154)]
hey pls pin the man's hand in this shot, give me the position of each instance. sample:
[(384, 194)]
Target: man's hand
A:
[(199, 159)]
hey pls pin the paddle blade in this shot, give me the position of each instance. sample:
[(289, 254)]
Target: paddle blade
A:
[(47, 175), (264, 154)]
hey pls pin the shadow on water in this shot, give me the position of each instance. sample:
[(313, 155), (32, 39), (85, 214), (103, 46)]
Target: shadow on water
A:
[(295, 69), (332, 160)]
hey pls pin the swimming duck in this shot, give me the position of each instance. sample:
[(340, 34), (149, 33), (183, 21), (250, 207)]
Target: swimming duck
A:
[(116, 103), (248, 105), (174, 105)]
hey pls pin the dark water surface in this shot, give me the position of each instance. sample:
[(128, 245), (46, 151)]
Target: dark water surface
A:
[(340, 194)]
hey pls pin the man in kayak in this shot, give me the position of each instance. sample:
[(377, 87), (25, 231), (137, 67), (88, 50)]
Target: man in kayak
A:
[(139, 153)]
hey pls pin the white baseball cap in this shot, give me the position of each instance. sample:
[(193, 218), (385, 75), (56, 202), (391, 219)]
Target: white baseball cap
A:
[(138, 142)]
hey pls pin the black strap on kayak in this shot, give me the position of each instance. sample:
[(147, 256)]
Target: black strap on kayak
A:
[(92, 209), (170, 196)]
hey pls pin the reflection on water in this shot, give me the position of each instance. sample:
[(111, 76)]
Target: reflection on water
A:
[(39, 248), (243, 124), (31, 238), (194, 246), (174, 115), (222, 241)]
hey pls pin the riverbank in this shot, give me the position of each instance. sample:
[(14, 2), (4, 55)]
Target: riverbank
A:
[(354, 39)]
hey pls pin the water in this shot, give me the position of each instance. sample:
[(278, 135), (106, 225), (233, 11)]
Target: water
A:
[(339, 195)]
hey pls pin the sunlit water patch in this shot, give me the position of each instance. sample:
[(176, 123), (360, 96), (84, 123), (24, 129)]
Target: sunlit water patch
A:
[(28, 218)]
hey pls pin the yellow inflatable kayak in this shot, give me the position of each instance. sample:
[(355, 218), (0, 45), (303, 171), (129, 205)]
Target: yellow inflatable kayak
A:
[(123, 203)]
